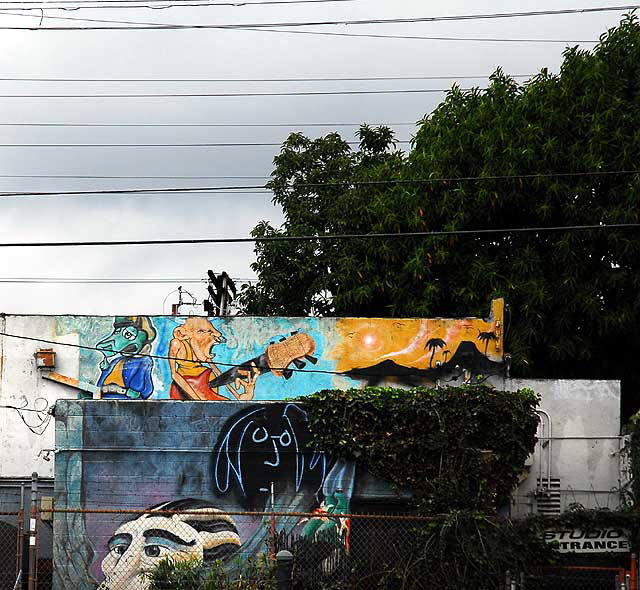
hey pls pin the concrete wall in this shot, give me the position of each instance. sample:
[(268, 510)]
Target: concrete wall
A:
[(21, 384), (581, 453), (120, 455), (197, 358)]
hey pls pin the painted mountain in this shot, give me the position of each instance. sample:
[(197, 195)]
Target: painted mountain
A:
[(466, 357)]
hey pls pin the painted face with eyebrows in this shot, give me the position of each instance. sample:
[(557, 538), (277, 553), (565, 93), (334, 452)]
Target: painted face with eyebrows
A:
[(139, 545)]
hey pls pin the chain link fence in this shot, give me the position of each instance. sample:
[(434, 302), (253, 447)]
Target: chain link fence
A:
[(10, 547), (209, 549), (11, 540), (578, 578), (330, 551)]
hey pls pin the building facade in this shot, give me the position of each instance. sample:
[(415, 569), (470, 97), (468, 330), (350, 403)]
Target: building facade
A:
[(132, 433)]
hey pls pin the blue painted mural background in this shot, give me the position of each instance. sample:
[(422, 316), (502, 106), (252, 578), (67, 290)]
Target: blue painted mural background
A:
[(246, 338)]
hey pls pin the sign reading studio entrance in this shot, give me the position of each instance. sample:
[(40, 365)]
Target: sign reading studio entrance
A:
[(593, 541)]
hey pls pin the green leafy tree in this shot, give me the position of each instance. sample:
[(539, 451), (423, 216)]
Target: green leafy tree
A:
[(303, 278), (568, 139)]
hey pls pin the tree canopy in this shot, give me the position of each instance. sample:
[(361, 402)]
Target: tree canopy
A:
[(570, 145)]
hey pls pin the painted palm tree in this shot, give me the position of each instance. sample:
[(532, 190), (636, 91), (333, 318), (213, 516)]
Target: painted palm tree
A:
[(432, 344), (487, 337)]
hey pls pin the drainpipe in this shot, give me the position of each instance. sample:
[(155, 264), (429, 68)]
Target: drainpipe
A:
[(549, 443), (3, 326)]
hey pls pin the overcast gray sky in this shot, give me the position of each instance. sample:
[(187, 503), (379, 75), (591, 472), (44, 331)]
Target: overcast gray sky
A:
[(211, 53)]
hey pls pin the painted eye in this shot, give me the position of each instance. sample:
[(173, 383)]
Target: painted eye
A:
[(285, 439), (118, 550), (153, 551), (129, 335), (260, 435)]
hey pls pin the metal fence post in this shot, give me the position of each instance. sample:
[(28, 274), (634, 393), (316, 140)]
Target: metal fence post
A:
[(19, 543), (284, 569), (33, 520)]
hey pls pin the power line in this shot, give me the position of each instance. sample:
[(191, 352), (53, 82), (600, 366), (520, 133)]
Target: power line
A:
[(243, 125), (353, 372), (136, 25), (90, 193), (106, 281), (109, 177), (18, 409), (427, 37), (323, 237), (209, 80), (448, 18), (234, 94), (168, 26), (241, 4), (347, 184), (151, 145)]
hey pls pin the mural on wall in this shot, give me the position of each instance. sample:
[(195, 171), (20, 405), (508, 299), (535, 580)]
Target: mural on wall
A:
[(126, 369), (415, 352), (198, 531), (245, 358), (264, 444), (192, 370), (232, 457), (225, 456)]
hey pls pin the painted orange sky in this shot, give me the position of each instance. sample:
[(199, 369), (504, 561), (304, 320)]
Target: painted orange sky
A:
[(366, 342)]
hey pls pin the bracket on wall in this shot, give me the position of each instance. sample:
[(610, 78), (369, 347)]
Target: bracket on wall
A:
[(46, 363), (90, 388)]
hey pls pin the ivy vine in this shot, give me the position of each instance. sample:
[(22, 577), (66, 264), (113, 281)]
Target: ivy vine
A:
[(454, 449), (459, 452)]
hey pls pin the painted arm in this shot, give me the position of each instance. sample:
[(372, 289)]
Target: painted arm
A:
[(177, 350), (248, 385)]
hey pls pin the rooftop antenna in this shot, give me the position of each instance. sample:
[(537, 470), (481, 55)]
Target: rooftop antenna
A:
[(175, 307)]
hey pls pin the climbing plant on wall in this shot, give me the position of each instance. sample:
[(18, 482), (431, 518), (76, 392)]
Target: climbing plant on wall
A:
[(453, 448)]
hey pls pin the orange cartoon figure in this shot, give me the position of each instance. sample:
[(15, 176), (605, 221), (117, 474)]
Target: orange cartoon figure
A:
[(192, 369)]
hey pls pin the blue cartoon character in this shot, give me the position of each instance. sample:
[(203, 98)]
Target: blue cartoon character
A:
[(127, 366)]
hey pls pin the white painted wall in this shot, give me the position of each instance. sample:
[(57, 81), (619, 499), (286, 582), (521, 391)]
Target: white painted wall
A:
[(585, 450), (21, 383)]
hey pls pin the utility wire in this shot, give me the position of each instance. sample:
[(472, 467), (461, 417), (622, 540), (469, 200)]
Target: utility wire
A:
[(105, 177), (240, 4), (150, 145), (19, 409), (354, 372), (244, 125), (149, 26), (428, 19), (89, 193), (209, 80), (427, 37), (92, 4), (106, 281), (234, 94), (348, 184), (324, 237)]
